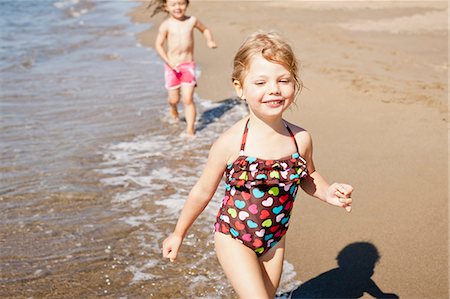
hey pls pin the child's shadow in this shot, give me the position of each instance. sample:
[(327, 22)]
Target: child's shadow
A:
[(211, 115), (350, 280)]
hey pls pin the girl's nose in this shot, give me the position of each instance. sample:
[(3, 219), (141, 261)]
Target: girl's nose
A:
[(274, 88)]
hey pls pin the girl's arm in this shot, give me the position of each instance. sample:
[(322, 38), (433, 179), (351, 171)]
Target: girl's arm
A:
[(198, 199), (336, 194), (159, 43), (207, 33)]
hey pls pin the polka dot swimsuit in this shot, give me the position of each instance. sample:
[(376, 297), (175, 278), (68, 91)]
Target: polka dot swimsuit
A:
[(259, 196)]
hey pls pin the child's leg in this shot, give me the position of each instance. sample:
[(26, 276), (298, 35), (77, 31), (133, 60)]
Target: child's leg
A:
[(272, 266), (187, 94), (241, 266), (173, 99)]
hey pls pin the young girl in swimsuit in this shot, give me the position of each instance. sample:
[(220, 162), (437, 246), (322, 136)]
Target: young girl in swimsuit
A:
[(264, 159)]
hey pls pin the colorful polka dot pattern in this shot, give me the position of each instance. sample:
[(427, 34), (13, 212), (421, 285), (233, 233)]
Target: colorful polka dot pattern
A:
[(258, 201)]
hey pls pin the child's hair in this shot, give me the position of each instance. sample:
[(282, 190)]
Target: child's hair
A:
[(273, 48), (159, 6)]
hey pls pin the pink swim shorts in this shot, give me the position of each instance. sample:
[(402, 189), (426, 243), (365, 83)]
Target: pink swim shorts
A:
[(184, 76)]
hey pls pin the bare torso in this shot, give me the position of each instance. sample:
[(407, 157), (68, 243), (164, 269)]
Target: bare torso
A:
[(180, 40)]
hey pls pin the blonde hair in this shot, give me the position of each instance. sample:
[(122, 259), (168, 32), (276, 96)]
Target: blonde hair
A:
[(160, 5), (273, 48)]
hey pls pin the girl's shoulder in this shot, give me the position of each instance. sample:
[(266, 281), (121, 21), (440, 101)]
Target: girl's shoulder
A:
[(302, 136), (295, 128), (189, 20), (229, 142), (164, 23)]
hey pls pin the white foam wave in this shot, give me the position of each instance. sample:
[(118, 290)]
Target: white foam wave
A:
[(74, 8), (138, 148), (141, 273), (137, 220), (173, 204), (74, 13), (133, 196), (288, 279), (114, 181), (66, 3), (164, 173)]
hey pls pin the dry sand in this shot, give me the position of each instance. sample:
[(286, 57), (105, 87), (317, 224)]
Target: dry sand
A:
[(375, 102)]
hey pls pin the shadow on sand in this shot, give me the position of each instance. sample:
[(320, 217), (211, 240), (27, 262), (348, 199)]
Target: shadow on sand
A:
[(209, 116), (350, 280)]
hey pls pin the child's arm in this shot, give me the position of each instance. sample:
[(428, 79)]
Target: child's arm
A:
[(336, 194), (207, 33), (159, 43), (198, 199), (373, 290)]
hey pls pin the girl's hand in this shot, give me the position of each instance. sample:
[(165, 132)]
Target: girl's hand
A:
[(340, 195), (212, 44), (175, 69), (170, 246)]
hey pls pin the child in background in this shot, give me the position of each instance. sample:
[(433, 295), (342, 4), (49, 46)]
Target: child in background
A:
[(178, 31), (265, 159)]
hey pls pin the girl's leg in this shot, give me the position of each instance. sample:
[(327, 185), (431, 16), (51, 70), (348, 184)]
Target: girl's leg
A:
[(187, 93), (272, 267), (241, 266), (173, 99)]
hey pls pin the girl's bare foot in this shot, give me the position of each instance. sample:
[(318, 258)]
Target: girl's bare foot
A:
[(190, 132), (188, 136)]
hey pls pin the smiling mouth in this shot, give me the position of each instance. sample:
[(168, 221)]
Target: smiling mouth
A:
[(275, 102)]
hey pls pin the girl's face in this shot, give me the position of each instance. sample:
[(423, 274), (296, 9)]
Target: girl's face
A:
[(268, 87), (176, 8)]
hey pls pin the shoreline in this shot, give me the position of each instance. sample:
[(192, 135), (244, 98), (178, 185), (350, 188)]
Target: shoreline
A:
[(375, 103)]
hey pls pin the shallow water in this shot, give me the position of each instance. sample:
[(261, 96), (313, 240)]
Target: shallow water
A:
[(94, 173)]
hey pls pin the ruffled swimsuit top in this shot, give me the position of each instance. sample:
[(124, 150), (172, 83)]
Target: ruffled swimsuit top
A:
[(259, 196)]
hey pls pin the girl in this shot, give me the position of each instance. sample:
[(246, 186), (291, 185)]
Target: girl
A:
[(265, 159), (177, 33)]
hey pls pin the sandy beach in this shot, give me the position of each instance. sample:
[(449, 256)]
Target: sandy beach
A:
[(375, 102)]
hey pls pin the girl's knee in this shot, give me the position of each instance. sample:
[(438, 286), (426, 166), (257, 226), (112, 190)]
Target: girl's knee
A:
[(173, 96), (173, 100), (187, 100)]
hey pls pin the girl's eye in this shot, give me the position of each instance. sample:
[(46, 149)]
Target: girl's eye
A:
[(259, 82), (285, 80)]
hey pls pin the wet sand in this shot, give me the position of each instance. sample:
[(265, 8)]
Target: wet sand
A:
[(375, 102)]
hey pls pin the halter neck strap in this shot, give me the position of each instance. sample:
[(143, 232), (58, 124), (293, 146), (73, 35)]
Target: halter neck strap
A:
[(244, 136)]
